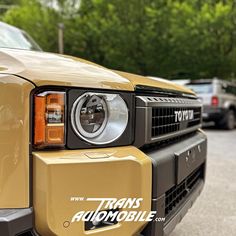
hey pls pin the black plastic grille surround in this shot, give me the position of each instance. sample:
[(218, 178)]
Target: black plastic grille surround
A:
[(164, 120), (175, 195)]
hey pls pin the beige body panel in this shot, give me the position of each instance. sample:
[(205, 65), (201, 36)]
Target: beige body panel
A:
[(14, 141), (123, 172)]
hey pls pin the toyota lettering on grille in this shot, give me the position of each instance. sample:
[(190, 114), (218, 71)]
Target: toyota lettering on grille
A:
[(184, 115)]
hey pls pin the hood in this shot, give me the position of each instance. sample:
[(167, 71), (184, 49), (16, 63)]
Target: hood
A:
[(44, 69), (154, 82)]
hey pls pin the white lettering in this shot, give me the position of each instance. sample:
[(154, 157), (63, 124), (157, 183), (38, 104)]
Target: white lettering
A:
[(185, 115)]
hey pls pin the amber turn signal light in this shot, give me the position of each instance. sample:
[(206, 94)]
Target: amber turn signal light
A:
[(49, 119)]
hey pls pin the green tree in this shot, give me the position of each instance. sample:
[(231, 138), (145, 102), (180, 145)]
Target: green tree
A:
[(39, 21), (168, 38)]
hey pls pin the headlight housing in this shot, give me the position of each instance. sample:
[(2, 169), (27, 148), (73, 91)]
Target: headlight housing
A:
[(73, 118), (99, 118)]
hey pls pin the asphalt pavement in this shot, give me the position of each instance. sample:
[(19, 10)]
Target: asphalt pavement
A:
[(214, 212)]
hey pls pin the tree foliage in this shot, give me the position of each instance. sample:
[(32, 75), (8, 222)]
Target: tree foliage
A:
[(168, 38)]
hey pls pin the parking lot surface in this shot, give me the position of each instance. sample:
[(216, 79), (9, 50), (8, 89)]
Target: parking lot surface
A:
[(214, 213)]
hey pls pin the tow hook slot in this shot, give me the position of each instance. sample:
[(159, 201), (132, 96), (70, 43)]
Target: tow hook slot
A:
[(109, 220)]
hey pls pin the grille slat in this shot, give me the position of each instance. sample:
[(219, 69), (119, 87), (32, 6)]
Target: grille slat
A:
[(175, 195)]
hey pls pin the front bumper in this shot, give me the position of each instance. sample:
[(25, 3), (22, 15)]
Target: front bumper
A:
[(172, 170), (14, 221), (124, 172), (215, 114), (63, 182), (183, 209)]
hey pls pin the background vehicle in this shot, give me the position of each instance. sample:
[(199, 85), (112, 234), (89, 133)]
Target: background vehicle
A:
[(219, 100), (12, 37)]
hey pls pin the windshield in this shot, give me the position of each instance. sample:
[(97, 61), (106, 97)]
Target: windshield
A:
[(201, 88), (11, 37)]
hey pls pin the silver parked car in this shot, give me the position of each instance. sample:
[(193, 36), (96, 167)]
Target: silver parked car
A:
[(219, 100), (12, 37)]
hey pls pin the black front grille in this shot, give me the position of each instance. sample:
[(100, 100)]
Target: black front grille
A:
[(177, 194), (164, 120)]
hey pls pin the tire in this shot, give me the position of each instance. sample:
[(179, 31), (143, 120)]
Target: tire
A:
[(229, 120)]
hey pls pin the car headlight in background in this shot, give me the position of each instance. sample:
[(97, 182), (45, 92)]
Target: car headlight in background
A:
[(49, 119), (99, 118)]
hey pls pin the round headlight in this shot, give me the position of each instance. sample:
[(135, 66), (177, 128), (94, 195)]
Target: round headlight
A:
[(99, 118)]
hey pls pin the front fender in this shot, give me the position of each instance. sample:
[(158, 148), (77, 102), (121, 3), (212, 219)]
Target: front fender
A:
[(14, 141)]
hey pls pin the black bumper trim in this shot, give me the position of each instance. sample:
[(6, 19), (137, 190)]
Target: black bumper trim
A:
[(167, 164), (183, 209), (165, 228), (15, 221)]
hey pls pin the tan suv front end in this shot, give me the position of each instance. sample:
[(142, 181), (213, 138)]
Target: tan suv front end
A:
[(74, 134)]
